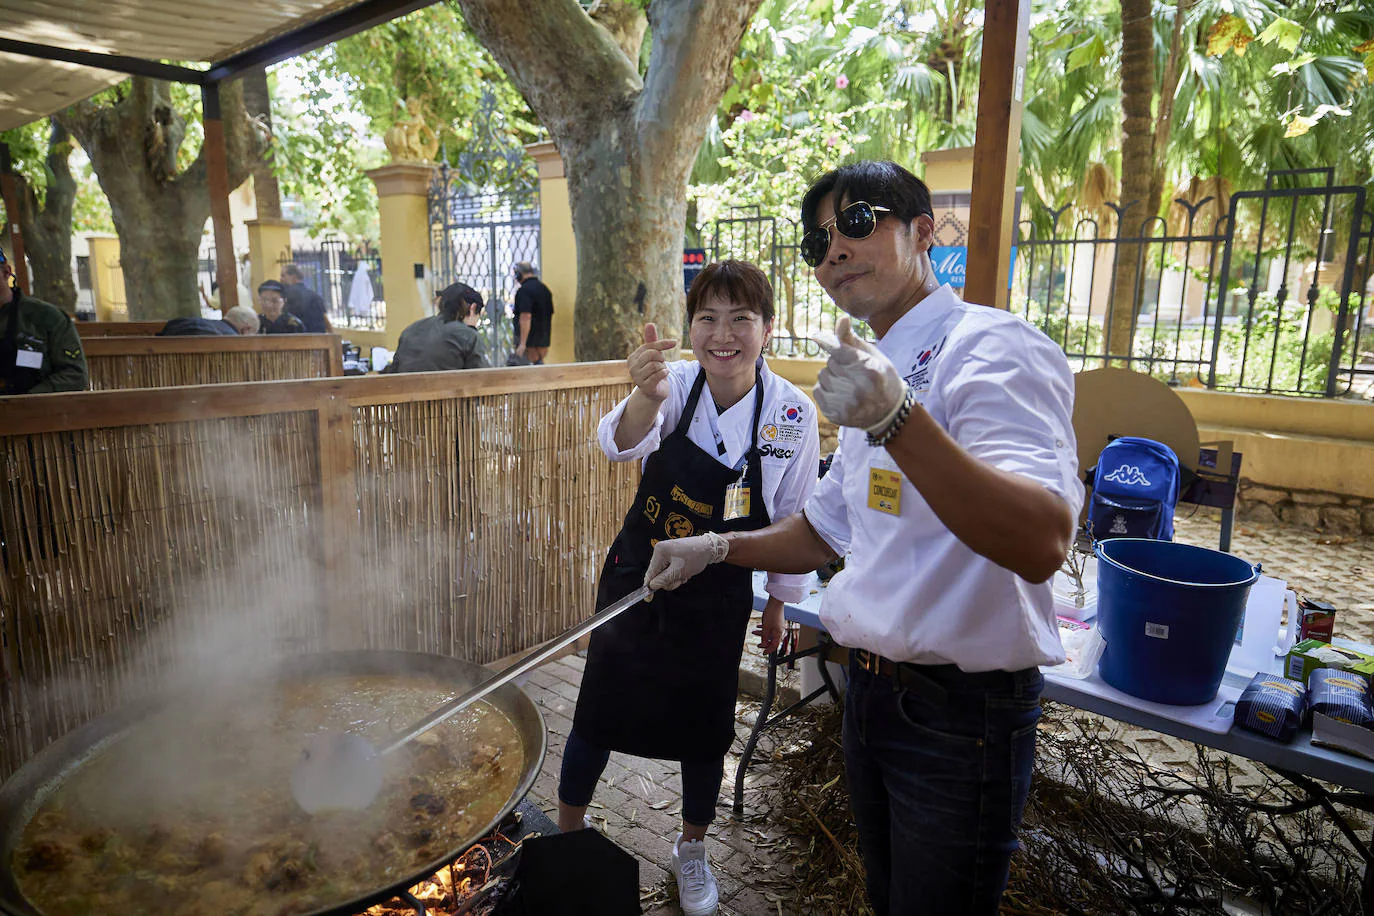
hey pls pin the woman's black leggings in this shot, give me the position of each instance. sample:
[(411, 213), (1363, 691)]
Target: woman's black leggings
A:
[(584, 763)]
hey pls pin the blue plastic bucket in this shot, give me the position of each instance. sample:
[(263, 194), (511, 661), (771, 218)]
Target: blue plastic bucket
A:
[(1169, 614)]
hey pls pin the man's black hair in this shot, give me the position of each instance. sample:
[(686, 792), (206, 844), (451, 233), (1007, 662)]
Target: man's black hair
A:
[(454, 299), (880, 182)]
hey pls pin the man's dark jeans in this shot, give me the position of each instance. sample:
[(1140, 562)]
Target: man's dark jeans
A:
[(938, 770)]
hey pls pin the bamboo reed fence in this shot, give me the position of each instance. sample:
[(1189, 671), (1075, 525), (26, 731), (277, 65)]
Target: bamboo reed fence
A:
[(119, 362), (151, 535)]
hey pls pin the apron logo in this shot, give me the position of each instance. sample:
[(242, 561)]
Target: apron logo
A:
[(678, 526), (700, 508), (769, 433), (651, 508)]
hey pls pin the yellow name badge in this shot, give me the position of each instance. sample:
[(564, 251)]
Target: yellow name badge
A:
[(736, 502), (885, 491)]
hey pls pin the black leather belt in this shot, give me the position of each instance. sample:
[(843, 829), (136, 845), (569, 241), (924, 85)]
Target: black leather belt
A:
[(903, 675)]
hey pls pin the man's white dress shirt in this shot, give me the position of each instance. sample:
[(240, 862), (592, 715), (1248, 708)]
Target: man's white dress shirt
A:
[(910, 589)]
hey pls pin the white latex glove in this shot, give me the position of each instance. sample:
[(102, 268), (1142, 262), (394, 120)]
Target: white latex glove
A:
[(859, 386), (679, 559)]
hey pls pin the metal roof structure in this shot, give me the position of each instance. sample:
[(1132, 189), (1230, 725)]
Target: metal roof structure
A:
[(56, 52)]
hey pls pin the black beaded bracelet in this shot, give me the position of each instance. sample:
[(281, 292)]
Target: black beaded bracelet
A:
[(895, 426)]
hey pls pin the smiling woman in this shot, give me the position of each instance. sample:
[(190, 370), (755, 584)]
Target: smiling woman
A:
[(726, 446)]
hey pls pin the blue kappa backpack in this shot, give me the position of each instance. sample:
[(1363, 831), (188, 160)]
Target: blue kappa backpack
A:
[(1135, 490)]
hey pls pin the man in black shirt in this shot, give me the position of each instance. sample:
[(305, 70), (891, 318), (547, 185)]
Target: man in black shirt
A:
[(533, 314), (275, 318), (304, 302)]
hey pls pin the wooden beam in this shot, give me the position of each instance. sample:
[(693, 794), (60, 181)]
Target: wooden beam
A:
[(217, 181), (997, 151), (27, 414), (250, 343)]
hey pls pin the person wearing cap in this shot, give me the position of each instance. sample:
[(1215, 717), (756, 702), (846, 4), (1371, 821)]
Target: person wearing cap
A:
[(533, 314), (953, 497), (275, 318), (448, 340), (40, 351)]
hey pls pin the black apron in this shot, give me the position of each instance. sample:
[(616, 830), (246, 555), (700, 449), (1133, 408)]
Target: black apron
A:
[(661, 679), (17, 379)]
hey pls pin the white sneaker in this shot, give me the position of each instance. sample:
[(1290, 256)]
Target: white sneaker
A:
[(696, 886)]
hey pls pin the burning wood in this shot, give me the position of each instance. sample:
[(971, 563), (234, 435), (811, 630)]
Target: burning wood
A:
[(460, 888)]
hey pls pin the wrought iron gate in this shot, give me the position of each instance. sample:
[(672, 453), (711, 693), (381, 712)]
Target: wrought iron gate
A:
[(1323, 319), (484, 218)]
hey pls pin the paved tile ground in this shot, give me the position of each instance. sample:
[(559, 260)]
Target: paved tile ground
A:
[(638, 802)]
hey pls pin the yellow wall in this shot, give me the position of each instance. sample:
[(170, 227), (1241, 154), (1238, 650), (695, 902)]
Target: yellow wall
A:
[(557, 249), (403, 206), (1292, 443), (269, 243), (107, 279)]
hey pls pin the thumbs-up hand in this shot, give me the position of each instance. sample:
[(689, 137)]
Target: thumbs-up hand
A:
[(648, 366), (859, 386)]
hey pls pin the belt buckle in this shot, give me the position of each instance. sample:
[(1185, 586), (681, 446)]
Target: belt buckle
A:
[(872, 662)]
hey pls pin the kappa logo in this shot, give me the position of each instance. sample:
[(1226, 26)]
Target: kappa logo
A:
[(1119, 525), (769, 433), (678, 526), (774, 451), (1128, 475)]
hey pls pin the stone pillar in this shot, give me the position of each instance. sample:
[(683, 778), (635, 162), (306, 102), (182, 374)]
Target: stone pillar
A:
[(557, 248), (107, 278), (269, 244), (403, 202)]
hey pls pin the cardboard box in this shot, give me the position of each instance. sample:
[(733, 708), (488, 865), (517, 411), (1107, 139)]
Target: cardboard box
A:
[(1311, 654)]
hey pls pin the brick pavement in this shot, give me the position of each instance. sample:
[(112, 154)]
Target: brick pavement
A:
[(638, 803)]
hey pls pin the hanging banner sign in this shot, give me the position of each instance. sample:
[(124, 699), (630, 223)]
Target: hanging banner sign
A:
[(951, 264)]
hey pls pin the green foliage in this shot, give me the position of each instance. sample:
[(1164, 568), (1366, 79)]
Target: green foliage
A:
[(1295, 340), (29, 151), (344, 97), (819, 82)]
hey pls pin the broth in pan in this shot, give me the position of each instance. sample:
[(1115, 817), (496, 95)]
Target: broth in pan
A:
[(191, 812)]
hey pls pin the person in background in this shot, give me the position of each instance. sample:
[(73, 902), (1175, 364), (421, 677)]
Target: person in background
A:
[(953, 497), (40, 351), (726, 445), (275, 318), (533, 314), (238, 320), (209, 302), (304, 302), (448, 340)]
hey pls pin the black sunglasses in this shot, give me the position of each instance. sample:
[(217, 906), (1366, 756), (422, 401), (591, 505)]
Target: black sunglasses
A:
[(856, 221)]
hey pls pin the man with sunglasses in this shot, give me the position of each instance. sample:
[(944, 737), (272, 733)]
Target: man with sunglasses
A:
[(40, 351), (953, 497)]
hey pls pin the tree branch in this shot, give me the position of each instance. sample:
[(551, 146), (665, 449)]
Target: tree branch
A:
[(553, 50), (688, 69), (626, 24)]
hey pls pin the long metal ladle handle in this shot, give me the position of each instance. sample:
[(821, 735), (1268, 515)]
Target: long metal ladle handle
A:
[(532, 660)]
